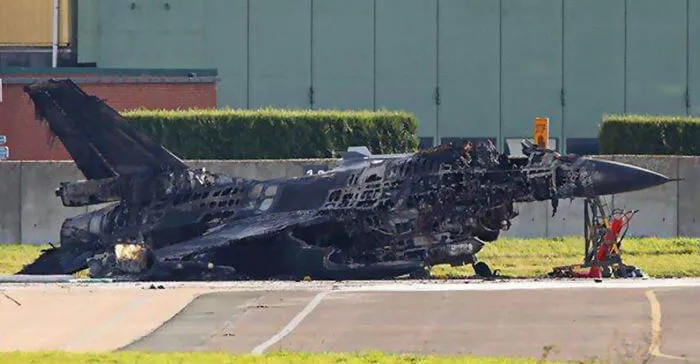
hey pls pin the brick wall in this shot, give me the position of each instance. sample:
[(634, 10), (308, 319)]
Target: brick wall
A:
[(29, 139)]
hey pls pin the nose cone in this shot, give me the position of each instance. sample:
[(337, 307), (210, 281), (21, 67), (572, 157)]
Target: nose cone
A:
[(608, 177)]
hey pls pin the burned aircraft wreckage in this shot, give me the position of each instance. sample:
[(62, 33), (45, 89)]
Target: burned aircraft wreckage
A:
[(374, 216)]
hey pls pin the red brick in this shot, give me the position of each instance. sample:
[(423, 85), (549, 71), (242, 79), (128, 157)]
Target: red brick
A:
[(29, 139)]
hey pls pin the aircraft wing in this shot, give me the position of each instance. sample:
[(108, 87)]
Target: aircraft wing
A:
[(102, 143), (253, 227)]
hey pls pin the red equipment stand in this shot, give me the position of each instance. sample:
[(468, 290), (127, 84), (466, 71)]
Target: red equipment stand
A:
[(603, 234)]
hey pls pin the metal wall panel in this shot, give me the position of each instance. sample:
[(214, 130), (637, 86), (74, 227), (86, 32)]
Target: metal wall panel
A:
[(594, 64), (226, 48), (121, 34), (406, 59), (30, 22), (656, 56), (87, 29), (469, 43), (531, 66), (343, 54), (280, 53), (694, 56), (151, 35)]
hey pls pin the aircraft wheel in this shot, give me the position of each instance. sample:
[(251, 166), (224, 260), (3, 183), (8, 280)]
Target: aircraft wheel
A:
[(482, 269)]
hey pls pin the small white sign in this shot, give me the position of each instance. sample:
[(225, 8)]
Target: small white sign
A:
[(4, 153), (3, 140)]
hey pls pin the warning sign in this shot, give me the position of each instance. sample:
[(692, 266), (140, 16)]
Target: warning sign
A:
[(541, 135)]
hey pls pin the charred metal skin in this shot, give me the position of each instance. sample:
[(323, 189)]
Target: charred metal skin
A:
[(373, 217)]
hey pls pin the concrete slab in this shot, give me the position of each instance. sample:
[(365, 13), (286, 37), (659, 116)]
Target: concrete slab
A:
[(10, 208), (532, 221), (578, 321), (273, 311), (577, 325), (84, 319), (299, 167), (568, 219), (266, 169), (689, 198), (215, 166), (42, 212), (200, 322), (658, 215), (226, 321), (680, 323)]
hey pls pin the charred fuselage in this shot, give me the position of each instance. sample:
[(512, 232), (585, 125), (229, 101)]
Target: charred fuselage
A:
[(371, 217), (377, 217)]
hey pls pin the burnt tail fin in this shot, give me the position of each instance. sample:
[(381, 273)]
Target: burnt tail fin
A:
[(102, 143)]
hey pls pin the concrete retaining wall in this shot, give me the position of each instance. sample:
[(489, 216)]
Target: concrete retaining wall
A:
[(31, 213)]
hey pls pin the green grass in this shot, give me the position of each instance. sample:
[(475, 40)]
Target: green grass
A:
[(14, 256), (671, 257), (274, 358)]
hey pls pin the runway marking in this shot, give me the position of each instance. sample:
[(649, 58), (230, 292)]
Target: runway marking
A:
[(655, 345), (291, 325), (231, 322)]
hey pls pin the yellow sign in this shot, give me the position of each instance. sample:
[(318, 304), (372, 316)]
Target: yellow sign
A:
[(541, 135)]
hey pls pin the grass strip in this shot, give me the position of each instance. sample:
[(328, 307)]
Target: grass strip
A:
[(658, 257)]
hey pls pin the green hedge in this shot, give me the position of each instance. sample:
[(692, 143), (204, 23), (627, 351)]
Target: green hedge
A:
[(651, 135), (275, 134)]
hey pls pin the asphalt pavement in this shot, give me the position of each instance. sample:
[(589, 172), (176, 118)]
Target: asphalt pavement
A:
[(627, 321)]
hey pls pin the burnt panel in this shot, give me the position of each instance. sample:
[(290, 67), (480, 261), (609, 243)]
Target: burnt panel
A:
[(308, 193)]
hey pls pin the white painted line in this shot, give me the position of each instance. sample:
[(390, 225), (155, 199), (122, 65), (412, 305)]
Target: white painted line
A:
[(291, 325)]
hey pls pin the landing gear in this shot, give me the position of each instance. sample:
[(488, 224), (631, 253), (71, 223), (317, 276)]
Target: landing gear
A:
[(482, 270)]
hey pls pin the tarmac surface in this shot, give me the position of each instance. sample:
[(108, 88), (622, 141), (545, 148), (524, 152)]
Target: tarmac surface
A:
[(573, 320)]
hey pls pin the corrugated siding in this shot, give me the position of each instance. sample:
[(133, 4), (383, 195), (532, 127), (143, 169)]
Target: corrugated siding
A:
[(29, 22)]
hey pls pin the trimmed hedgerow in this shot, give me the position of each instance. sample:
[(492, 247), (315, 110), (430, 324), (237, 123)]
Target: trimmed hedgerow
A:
[(275, 134), (649, 134)]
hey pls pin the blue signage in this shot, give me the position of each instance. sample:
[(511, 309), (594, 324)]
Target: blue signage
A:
[(4, 153)]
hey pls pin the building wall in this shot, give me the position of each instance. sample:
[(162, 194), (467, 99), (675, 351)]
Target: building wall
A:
[(29, 139), (29, 23), (466, 68)]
